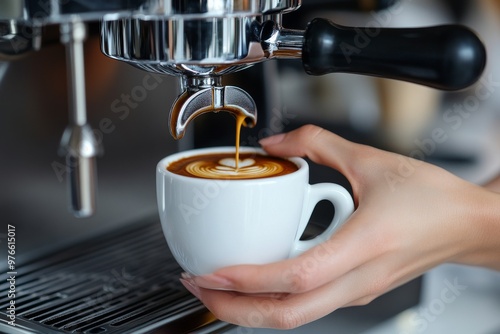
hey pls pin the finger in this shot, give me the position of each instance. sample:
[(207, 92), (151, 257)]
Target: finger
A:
[(319, 145)]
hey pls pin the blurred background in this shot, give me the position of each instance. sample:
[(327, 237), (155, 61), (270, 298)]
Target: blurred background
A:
[(128, 110)]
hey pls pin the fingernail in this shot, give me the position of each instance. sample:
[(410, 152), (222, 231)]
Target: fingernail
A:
[(273, 140), (191, 287), (212, 281)]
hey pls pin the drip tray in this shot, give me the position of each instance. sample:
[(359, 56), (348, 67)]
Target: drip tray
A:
[(124, 282)]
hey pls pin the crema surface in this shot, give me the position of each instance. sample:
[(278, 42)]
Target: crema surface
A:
[(223, 166)]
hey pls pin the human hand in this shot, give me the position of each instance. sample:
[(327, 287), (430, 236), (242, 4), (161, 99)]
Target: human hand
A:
[(410, 217)]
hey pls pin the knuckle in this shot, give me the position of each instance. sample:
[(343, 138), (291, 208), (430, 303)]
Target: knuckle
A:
[(308, 129), (301, 282), (308, 133)]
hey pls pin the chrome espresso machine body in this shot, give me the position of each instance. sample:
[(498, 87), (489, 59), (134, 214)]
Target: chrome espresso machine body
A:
[(200, 42)]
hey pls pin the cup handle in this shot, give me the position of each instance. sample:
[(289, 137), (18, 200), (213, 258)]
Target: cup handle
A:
[(344, 207)]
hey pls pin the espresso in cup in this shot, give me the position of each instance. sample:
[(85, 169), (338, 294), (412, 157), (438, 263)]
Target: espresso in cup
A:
[(225, 166)]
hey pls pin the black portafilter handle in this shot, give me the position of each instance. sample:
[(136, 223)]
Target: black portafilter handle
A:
[(448, 57)]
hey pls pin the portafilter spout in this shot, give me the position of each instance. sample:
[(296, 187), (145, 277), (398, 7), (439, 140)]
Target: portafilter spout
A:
[(206, 94)]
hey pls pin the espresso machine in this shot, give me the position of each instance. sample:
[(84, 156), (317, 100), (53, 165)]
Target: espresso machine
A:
[(197, 43)]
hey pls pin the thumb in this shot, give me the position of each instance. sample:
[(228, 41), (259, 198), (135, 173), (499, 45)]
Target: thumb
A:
[(317, 144)]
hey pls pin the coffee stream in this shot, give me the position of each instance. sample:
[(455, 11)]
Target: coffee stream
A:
[(239, 122), (232, 165)]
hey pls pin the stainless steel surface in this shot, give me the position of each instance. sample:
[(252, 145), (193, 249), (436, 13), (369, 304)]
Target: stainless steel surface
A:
[(203, 46)]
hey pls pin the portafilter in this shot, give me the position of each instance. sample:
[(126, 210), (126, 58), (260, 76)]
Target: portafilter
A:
[(200, 41)]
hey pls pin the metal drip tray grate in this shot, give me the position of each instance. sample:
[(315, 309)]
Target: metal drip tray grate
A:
[(124, 282)]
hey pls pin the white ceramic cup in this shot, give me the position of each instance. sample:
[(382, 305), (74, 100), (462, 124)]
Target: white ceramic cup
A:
[(210, 224)]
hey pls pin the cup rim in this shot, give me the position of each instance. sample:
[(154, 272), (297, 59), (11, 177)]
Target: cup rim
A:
[(162, 164)]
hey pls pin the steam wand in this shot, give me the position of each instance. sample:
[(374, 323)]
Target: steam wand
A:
[(78, 143)]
